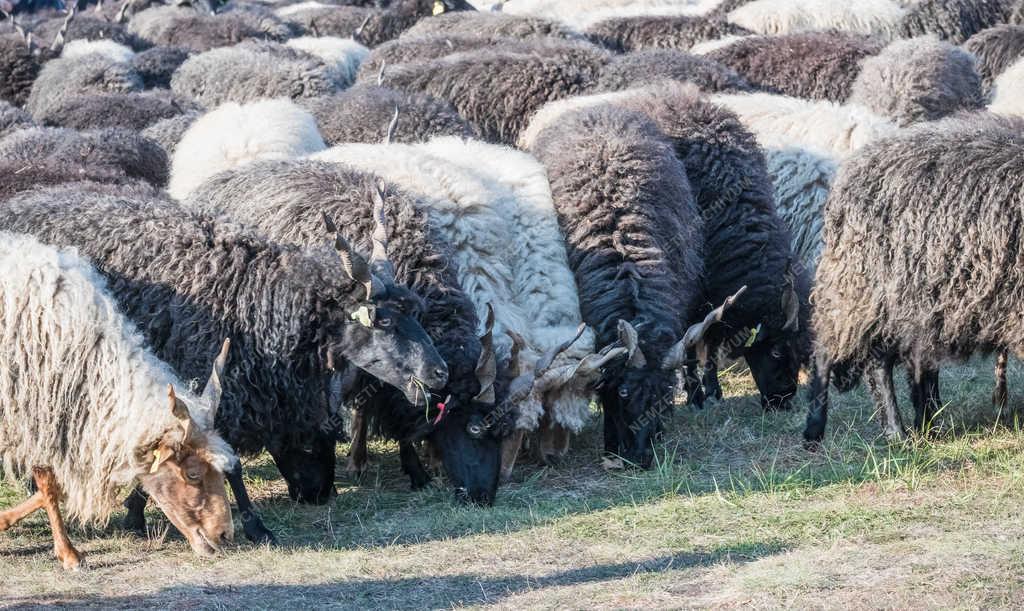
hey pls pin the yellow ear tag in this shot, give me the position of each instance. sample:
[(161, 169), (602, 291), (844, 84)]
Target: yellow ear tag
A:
[(363, 316), (753, 337), (156, 461), (438, 7)]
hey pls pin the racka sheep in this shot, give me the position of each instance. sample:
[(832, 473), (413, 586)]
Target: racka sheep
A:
[(133, 111), (18, 69), (342, 55), (284, 200), (773, 17), (921, 79), (84, 26), (86, 408), (996, 49), (370, 26), (659, 32), (952, 20), (205, 280), (635, 244), (363, 113), (899, 277), (12, 118), (497, 91), (65, 77), (253, 70), (644, 67), (156, 65), (745, 242), (120, 151), (109, 48), (580, 14), (184, 27), (1007, 91), (169, 132), (487, 25), (25, 175), (813, 65), (234, 134)]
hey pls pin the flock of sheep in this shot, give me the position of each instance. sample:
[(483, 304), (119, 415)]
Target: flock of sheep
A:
[(458, 227)]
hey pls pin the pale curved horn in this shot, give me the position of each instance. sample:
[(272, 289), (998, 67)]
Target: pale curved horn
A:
[(677, 354), (487, 366), (215, 387), (390, 134), (631, 340), (352, 263), (379, 262)]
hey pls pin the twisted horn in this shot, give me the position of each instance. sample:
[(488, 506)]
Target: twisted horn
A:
[(215, 386), (380, 74), (379, 254), (58, 40), (389, 136), (486, 366), (352, 263), (695, 334), (630, 339)]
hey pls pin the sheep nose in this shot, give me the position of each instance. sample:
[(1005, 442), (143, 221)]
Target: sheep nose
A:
[(224, 537)]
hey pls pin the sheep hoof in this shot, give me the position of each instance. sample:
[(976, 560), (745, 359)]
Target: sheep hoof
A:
[(73, 561), (552, 460)]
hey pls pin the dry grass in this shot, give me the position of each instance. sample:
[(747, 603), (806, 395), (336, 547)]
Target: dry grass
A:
[(735, 513)]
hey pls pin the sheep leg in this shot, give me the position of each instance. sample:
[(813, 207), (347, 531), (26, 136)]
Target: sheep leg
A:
[(253, 526), (358, 456), (12, 516), (510, 452), (712, 388), (879, 380), (691, 381), (817, 412), (924, 392), (50, 492), (412, 466), (1000, 396), (135, 521)]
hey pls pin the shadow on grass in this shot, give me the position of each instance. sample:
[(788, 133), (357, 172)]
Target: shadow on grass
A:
[(435, 592)]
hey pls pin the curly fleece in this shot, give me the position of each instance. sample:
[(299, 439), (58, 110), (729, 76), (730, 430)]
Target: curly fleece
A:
[(644, 67)]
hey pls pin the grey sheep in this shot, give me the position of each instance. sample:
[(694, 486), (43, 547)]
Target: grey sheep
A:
[(481, 24), (253, 70), (644, 67), (416, 49), (921, 262), (168, 132), (812, 65), (18, 69), (134, 111), (88, 27), (363, 113), (996, 49), (21, 175), (66, 77), (184, 27), (156, 65), (660, 32), (952, 20), (369, 26), (12, 118), (115, 150), (920, 79)]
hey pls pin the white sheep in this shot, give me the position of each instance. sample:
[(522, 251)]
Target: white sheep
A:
[(790, 16), (342, 55), (1008, 91)]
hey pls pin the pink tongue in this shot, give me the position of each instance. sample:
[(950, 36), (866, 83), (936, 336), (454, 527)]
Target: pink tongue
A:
[(442, 407)]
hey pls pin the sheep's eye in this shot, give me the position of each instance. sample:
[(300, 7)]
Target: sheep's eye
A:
[(623, 392), (776, 353), (307, 449), (475, 430), (192, 476), (384, 322)]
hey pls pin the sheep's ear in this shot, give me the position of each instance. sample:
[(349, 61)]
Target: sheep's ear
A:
[(791, 305), (215, 385), (160, 455)]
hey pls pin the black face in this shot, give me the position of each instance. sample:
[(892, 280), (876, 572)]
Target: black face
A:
[(471, 454), (775, 366), (634, 401), (395, 349), (308, 467), (457, 5)]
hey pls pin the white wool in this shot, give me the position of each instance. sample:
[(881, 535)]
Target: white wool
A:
[(1008, 91), (544, 287), (826, 127), (801, 181), (773, 17), (79, 391), (703, 48), (108, 48), (294, 9), (551, 111), (341, 55), (233, 135), (581, 13)]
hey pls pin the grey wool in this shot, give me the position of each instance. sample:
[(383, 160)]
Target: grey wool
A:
[(87, 27), (996, 49), (369, 26), (481, 24), (952, 20), (497, 90), (135, 111), (156, 65), (644, 67), (168, 132), (362, 113), (18, 69), (659, 32), (253, 70), (920, 79), (66, 77), (408, 49), (111, 150), (22, 175), (13, 118), (811, 65), (184, 27)]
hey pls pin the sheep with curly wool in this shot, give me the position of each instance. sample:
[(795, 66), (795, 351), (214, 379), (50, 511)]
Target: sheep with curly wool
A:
[(176, 26), (86, 27), (116, 150), (19, 68), (644, 67), (801, 181), (169, 132), (920, 79), (1008, 91), (773, 17), (812, 65), (22, 175), (85, 406), (483, 24), (581, 14), (659, 32), (194, 280), (66, 77), (114, 50), (156, 65), (236, 134), (497, 90), (13, 118), (342, 55), (995, 49), (369, 25), (285, 201), (634, 238), (952, 20), (414, 49), (134, 111), (900, 277)]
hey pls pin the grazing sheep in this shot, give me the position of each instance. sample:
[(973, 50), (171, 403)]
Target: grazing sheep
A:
[(488, 25), (12, 118), (634, 239), (995, 50), (18, 69), (134, 111), (156, 65), (285, 201), (901, 279), (183, 27), (801, 180), (773, 17), (921, 79), (659, 32), (66, 77), (87, 27), (168, 132), (86, 407), (952, 20), (812, 65), (1008, 91), (109, 48), (644, 67), (250, 71), (497, 91), (342, 55), (120, 151), (193, 280), (363, 113), (234, 134)]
